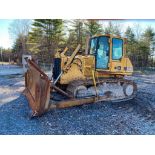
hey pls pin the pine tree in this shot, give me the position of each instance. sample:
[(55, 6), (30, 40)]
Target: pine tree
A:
[(47, 36), (140, 48), (130, 35), (93, 27), (148, 44), (76, 34), (112, 28), (131, 42), (148, 35)]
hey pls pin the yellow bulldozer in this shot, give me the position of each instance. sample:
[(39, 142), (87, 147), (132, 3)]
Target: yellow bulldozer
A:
[(78, 79)]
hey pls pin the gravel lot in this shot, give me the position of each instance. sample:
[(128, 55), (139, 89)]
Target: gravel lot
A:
[(132, 117)]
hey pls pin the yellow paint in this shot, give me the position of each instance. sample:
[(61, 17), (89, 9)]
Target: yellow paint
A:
[(117, 68), (72, 74), (94, 80)]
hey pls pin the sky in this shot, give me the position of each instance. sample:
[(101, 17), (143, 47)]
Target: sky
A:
[(7, 42), (5, 39)]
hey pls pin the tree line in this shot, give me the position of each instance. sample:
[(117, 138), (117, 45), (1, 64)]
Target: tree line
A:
[(43, 37)]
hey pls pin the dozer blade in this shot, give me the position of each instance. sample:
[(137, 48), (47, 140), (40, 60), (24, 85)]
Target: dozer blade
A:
[(37, 89)]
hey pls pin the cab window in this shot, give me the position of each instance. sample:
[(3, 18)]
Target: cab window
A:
[(117, 48), (102, 55), (93, 45)]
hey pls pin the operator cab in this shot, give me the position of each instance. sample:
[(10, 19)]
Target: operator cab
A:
[(105, 52)]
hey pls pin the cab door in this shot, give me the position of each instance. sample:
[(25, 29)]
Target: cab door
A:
[(100, 48), (102, 53)]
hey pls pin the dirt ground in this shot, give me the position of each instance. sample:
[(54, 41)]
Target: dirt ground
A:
[(132, 117)]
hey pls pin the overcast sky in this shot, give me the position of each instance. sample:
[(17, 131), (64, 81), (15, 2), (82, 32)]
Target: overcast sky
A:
[(7, 42)]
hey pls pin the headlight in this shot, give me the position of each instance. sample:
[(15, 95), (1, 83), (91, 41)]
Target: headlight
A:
[(118, 68)]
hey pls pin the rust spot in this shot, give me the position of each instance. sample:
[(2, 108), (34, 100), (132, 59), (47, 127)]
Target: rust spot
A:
[(37, 89)]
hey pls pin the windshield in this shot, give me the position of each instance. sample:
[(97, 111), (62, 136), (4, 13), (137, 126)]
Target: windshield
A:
[(117, 49)]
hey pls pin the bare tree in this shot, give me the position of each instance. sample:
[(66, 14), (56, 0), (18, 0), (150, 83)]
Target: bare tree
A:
[(137, 31), (19, 29)]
